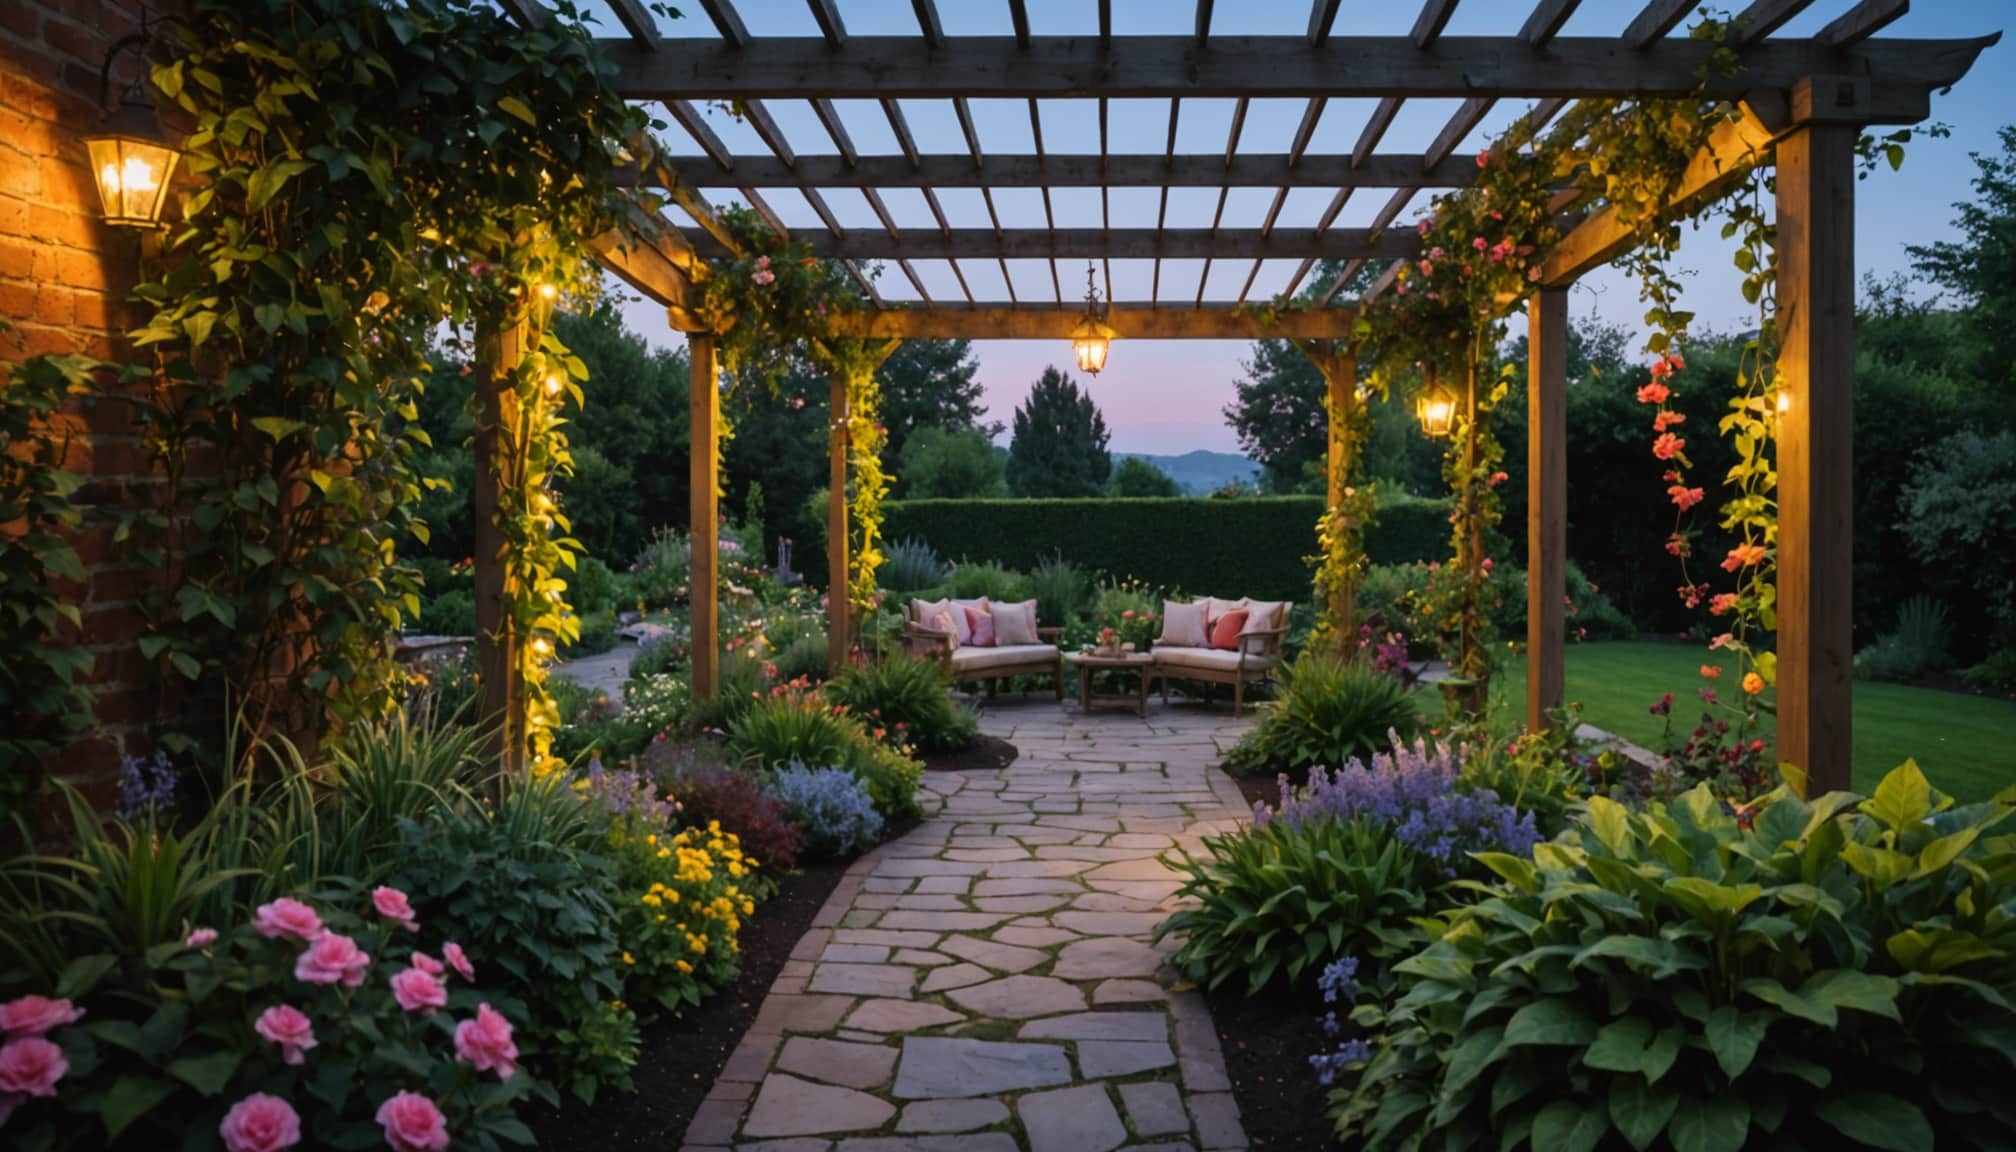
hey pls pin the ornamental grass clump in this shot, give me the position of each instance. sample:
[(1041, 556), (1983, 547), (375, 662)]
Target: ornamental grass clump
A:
[(1330, 709), (1794, 974)]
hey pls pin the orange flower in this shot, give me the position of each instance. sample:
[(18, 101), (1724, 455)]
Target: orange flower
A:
[(1654, 393), (1743, 556), (1667, 446), (1684, 496), (1711, 671), (1667, 419), (1753, 683)]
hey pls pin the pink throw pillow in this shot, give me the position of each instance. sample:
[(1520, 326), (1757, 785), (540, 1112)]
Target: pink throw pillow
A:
[(1225, 633), (981, 625)]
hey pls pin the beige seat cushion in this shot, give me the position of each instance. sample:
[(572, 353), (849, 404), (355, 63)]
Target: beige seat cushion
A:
[(1214, 608), (1262, 616), (926, 611), (981, 659), (1182, 625), (1015, 624), (959, 621), (1209, 660)]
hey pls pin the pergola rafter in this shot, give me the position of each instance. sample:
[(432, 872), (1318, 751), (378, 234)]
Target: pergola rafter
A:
[(1803, 101)]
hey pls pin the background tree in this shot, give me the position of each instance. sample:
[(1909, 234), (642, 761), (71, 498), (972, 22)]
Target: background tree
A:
[(779, 441), (1137, 478), (930, 384), (1979, 267), (1278, 414), (950, 464), (1059, 446)]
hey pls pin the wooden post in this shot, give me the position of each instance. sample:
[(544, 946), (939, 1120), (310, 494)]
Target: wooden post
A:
[(838, 617), (1546, 502), (1340, 374), (500, 347), (1816, 310), (703, 593)]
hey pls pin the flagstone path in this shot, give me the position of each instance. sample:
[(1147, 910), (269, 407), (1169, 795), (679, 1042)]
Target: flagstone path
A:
[(988, 982)]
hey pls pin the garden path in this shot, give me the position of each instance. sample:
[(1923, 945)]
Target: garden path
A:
[(987, 983)]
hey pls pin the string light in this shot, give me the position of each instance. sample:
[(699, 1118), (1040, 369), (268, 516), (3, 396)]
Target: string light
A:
[(554, 384)]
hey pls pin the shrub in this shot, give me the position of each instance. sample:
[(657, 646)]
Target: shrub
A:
[(889, 775), (1919, 644), (1330, 710), (795, 724), (662, 570), (907, 695), (1061, 590), (657, 702), (597, 635), (743, 682), (709, 793), (971, 581), (1818, 975), (1995, 674), (682, 899), (452, 613), (531, 885), (656, 654), (1276, 901), (596, 589), (831, 805), (590, 724), (1549, 772), (910, 565), (446, 686), (803, 658), (380, 772)]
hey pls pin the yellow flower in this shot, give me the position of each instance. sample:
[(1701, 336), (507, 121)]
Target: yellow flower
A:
[(651, 839), (629, 959), (1753, 683), (661, 917), (684, 968)]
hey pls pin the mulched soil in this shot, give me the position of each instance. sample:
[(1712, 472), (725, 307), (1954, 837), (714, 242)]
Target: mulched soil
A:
[(680, 1056), (984, 754), (1267, 1042)]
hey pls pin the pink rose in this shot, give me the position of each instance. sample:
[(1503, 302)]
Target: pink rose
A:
[(31, 1066), (36, 1015), (287, 917), (427, 964), (286, 1026), (392, 904), (485, 1043), (419, 991), (202, 938), (459, 961), (413, 1124), (260, 1123), (331, 959)]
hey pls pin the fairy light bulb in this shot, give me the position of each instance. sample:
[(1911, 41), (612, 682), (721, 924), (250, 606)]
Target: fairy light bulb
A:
[(554, 384)]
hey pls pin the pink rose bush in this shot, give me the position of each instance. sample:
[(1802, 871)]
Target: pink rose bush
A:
[(335, 991)]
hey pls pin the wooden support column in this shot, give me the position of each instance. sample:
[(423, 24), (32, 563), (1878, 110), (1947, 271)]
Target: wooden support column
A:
[(1816, 312), (838, 617), (1340, 374), (1546, 502), (703, 591), (500, 347)]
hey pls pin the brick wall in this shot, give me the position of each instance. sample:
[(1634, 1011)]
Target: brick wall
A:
[(63, 279)]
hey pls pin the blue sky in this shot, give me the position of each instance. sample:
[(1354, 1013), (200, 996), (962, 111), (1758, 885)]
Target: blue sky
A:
[(1167, 396)]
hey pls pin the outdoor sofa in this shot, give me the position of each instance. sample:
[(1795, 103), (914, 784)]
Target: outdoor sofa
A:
[(984, 640), (1217, 641)]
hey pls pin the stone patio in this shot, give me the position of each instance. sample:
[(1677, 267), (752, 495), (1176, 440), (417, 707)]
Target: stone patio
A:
[(988, 983)]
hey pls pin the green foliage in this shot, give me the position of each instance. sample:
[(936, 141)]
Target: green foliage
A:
[(950, 464), (969, 581), (804, 655), (1995, 674), (1208, 547), (663, 568), (1330, 710), (1060, 588), (789, 726), (40, 689), (381, 773), (911, 566), (597, 589), (532, 886), (1059, 444), (1979, 264), (452, 613), (1136, 478), (908, 695), (1960, 507), (931, 384), (1278, 902), (1920, 643), (1539, 771), (1819, 975)]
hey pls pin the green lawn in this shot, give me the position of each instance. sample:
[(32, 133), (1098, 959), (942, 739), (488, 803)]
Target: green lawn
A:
[(1966, 744)]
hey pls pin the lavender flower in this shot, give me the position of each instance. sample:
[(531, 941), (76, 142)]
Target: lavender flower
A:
[(1328, 1064), (831, 804), (146, 786), (627, 792), (1414, 792)]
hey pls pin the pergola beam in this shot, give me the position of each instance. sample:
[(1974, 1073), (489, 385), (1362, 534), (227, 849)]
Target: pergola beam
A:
[(1035, 321), (1050, 170), (1261, 66), (1095, 243)]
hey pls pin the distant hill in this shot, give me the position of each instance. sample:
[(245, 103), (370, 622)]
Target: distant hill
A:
[(1200, 473)]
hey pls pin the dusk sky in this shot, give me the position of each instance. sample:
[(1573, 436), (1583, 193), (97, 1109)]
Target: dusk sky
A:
[(1168, 396)]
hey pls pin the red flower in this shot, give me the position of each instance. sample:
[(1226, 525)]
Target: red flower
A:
[(1667, 419), (1496, 479), (1684, 496), (1484, 158), (1654, 393), (1743, 556), (1479, 244), (1667, 446), (1722, 603), (1662, 368)]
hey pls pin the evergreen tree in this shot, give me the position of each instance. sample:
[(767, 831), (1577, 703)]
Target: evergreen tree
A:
[(1059, 446), (1979, 268), (930, 384), (947, 464), (1137, 478)]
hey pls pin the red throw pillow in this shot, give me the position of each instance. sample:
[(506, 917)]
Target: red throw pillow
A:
[(981, 624), (1225, 630)]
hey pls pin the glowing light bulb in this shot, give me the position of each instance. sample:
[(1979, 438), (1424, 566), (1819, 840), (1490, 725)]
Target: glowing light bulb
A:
[(1784, 402), (541, 647), (548, 293), (554, 384)]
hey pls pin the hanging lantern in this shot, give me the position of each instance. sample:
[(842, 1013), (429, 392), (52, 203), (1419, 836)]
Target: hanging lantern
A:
[(1435, 406), (1091, 339), (131, 160)]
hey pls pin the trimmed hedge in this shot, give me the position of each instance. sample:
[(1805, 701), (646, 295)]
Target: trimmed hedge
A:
[(1247, 547)]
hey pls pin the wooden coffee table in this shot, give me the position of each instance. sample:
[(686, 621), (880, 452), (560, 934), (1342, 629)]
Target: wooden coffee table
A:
[(1087, 663)]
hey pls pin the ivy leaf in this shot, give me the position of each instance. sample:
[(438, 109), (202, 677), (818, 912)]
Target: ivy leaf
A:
[(278, 427), (518, 108)]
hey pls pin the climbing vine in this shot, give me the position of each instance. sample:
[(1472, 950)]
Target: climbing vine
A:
[(366, 174), (1340, 560)]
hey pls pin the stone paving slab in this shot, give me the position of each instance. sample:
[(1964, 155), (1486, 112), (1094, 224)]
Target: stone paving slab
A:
[(990, 982)]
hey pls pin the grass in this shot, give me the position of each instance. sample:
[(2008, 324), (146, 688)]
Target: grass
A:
[(1966, 744)]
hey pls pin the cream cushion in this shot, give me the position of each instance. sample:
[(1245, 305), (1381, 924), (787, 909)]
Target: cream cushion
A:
[(981, 659), (1015, 624), (1263, 616), (959, 617), (933, 614), (1210, 660), (1214, 608), (1183, 625)]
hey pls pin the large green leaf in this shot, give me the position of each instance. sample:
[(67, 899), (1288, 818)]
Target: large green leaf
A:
[(1733, 1037), (1861, 991), (1877, 1120), (1552, 1021), (1718, 1124), (1569, 1126), (1640, 1110), (207, 1074), (131, 1097), (1657, 958), (1632, 1045), (1937, 949), (1903, 798), (1797, 1003)]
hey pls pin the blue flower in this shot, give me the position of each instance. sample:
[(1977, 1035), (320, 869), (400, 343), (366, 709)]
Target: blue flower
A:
[(146, 786)]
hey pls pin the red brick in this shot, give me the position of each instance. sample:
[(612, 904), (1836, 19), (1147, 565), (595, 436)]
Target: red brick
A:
[(17, 258), (81, 269), (20, 18), (84, 45), (17, 300), (96, 758), (55, 305), (129, 705)]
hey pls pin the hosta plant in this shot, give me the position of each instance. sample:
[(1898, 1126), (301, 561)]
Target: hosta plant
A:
[(905, 694), (1832, 974)]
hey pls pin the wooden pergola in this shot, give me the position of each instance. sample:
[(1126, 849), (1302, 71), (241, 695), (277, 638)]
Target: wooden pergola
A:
[(1804, 103)]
